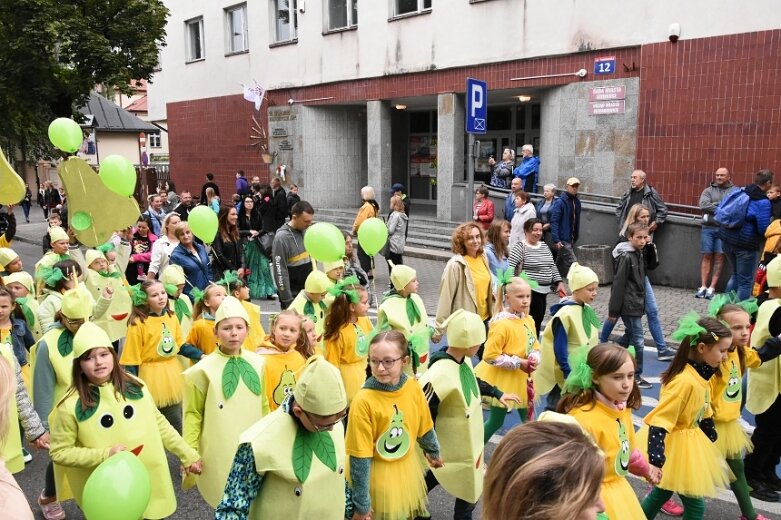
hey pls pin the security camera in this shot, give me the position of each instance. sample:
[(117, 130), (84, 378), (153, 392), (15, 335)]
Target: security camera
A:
[(291, 101), (674, 32), (581, 73)]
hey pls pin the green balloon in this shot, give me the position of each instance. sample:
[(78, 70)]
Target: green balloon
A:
[(372, 235), (65, 134), (81, 220), (119, 489), (324, 242), (203, 223), (118, 174)]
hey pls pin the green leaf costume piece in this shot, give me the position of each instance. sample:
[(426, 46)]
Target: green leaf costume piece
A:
[(413, 313), (307, 443), (468, 382), (133, 392), (309, 309), (590, 320), (65, 343), (82, 413), (181, 310), (237, 368), (29, 316)]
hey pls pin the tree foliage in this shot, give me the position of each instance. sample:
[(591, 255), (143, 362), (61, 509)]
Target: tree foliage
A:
[(54, 52)]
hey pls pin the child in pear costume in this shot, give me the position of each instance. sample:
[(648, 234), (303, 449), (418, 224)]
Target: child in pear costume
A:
[(402, 309), (22, 286), (106, 411), (154, 338), (291, 463), (206, 303), (311, 302), (283, 356), (236, 287), (573, 325), (178, 302), (224, 396), (388, 416), (453, 393), (98, 278), (59, 251)]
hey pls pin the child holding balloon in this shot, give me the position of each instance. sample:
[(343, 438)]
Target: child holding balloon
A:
[(107, 411)]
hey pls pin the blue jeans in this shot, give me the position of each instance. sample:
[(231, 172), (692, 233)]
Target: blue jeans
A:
[(633, 336), (652, 314), (744, 264)]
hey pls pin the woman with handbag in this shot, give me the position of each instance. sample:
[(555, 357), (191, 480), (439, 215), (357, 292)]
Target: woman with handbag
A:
[(533, 256), (257, 250)]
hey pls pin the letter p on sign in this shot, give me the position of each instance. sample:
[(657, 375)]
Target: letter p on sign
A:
[(477, 106)]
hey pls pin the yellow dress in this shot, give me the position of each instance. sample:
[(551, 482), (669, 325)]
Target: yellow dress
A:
[(764, 382), (512, 336), (384, 426), (614, 433), (152, 346), (727, 392), (693, 466), (348, 352), (280, 373)]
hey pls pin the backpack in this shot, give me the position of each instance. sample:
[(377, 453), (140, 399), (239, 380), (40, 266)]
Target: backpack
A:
[(731, 212)]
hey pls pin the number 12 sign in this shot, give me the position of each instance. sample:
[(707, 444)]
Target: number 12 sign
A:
[(605, 65)]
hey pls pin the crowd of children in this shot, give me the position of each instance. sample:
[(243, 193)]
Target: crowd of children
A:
[(331, 415)]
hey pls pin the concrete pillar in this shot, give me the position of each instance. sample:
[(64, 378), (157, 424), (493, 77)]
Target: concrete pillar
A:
[(378, 144), (450, 152)]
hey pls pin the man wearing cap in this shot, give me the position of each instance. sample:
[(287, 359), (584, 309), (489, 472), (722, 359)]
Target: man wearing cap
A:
[(291, 463), (452, 389), (640, 192), (565, 225)]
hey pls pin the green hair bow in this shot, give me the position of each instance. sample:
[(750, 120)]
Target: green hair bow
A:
[(51, 275), (581, 376), (137, 295), (504, 276), (689, 328), (720, 300), (29, 316), (105, 248), (197, 294), (528, 280), (341, 288), (230, 279)]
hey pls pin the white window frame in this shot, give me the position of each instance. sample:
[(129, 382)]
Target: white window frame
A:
[(421, 8), (230, 30), (155, 141), (350, 5), (292, 21), (187, 39)]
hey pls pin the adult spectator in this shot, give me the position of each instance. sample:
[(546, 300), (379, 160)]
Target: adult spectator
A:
[(292, 198), (184, 207), (27, 202), (192, 258), (529, 169), (565, 225), (483, 210), (400, 190), (543, 211), (170, 198), (256, 261), (497, 246), (516, 186), (502, 172), (397, 232), (226, 254), (532, 256), (265, 205), (242, 186), (641, 193), (290, 260), (141, 244), (164, 245), (51, 198), (211, 201), (278, 202), (369, 209), (524, 210), (710, 243), (466, 280), (741, 245), (155, 213), (209, 184)]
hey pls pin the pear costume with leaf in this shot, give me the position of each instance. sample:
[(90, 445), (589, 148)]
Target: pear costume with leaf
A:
[(114, 320), (317, 282), (224, 396)]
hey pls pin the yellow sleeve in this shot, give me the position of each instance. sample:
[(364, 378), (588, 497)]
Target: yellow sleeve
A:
[(172, 441), (134, 345), (194, 337), (497, 339), (752, 358), (333, 350), (359, 441), (365, 212), (63, 439), (194, 403), (671, 406)]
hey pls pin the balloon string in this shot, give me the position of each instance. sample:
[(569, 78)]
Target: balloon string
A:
[(374, 286)]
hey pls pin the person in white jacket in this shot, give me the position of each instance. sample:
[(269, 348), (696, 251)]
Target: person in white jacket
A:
[(524, 210), (397, 232)]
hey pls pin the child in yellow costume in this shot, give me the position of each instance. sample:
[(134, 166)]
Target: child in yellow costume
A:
[(98, 278), (107, 411), (154, 339), (402, 309), (59, 251), (236, 287), (224, 396), (283, 356), (574, 323), (291, 463), (311, 303), (727, 392), (346, 333), (206, 303), (600, 393), (10, 261), (387, 417), (173, 281), (453, 393), (680, 432), (334, 272), (22, 286), (511, 351)]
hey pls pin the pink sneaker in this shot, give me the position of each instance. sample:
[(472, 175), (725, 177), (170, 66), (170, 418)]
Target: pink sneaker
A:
[(51, 510), (672, 508), (759, 517)]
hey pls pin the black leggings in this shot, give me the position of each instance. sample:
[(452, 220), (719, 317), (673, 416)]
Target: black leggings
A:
[(50, 490), (538, 308), (767, 443), (365, 260)]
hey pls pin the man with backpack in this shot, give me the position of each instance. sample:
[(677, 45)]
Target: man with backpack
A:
[(710, 243), (743, 216)]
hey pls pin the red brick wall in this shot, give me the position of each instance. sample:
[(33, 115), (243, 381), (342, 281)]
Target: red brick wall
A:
[(707, 103)]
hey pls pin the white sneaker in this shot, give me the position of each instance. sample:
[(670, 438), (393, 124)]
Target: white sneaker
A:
[(710, 293), (701, 292)]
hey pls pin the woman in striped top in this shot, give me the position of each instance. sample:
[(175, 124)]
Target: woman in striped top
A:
[(533, 256)]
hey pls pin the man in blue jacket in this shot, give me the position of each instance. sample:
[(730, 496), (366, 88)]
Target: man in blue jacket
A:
[(565, 225), (742, 244), (509, 203), (528, 170)]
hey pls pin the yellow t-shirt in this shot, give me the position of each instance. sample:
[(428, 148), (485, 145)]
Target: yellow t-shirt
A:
[(726, 389), (481, 277), (202, 335), (280, 371), (683, 402)]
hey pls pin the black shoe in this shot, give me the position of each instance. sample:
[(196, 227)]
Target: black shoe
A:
[(665, 355), (643, 384), (772, 481), (761, 491)]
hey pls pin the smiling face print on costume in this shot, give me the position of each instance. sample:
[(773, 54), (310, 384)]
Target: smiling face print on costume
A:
[(733, 390), (394, 443), (622, 459)]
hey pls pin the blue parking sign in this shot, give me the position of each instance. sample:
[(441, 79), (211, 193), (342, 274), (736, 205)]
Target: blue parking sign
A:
[(476, 106)]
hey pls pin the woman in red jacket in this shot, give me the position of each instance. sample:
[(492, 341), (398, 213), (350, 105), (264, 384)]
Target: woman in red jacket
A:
[(483, 208)]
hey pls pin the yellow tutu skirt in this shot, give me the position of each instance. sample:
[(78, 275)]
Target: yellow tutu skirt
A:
[(164, 380), (353, 377), (398, 488), (510, 381), (733, 442), (620, 500), (693, 466)]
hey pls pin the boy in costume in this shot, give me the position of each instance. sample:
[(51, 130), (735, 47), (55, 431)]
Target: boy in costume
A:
[(311, 303)]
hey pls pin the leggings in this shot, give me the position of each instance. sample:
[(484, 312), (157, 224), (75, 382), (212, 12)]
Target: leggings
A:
[(693, 508), (740, 488), (496, 418), (49, 490), (173, 414)]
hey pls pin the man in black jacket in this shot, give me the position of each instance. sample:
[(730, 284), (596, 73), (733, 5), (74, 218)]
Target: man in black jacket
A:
[(278, 202)]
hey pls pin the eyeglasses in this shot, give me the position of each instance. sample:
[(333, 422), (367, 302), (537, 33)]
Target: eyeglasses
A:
[(324, 427), (386, 363), (73, 323)]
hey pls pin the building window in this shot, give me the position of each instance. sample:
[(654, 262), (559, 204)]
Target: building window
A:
[(154, 140), (195, 41), (341, 14), (236, 28), (410, 6), (285, 19)]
